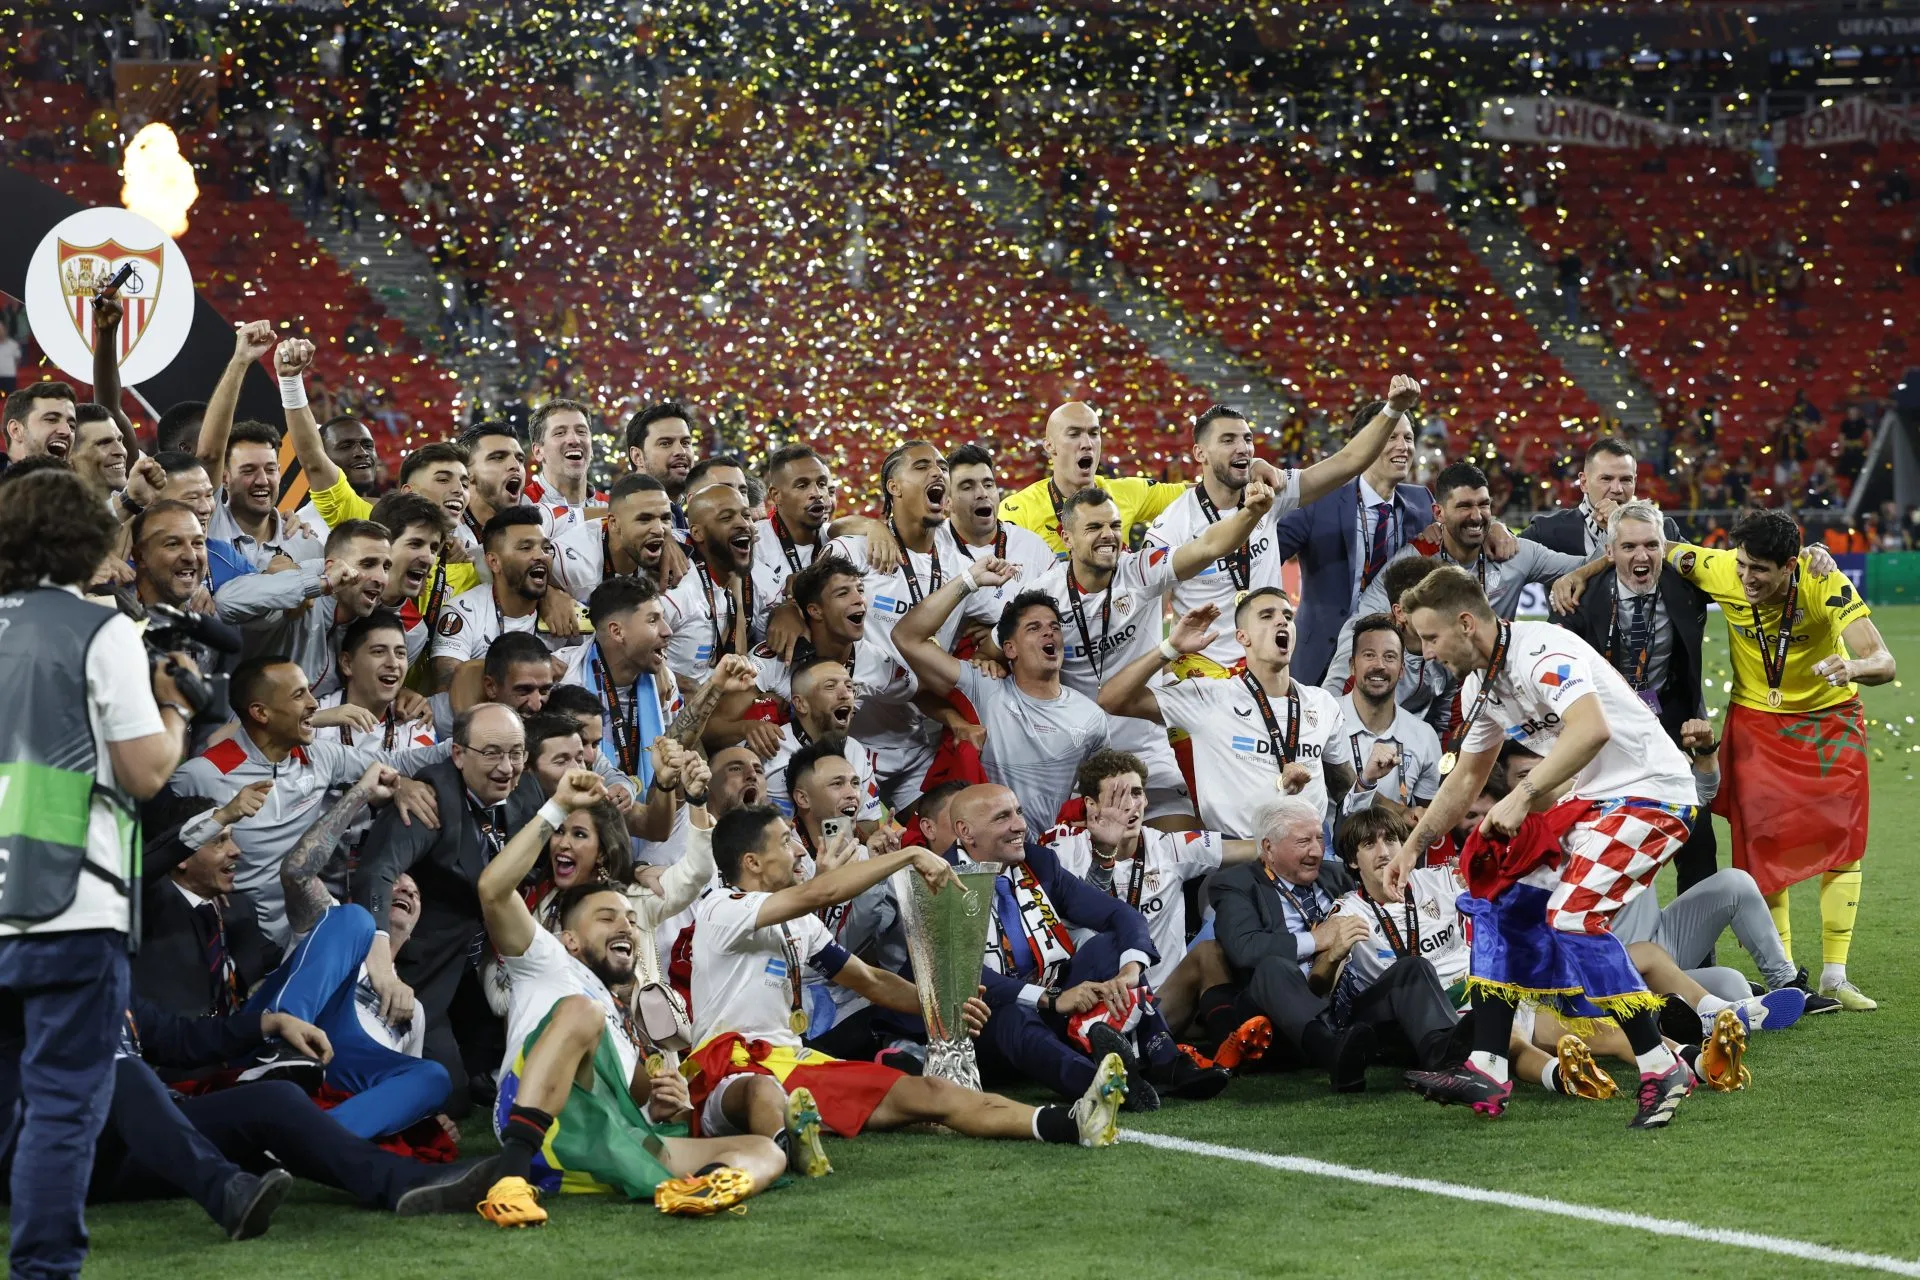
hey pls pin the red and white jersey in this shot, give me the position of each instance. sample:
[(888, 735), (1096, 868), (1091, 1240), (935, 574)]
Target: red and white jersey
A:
[(557, 515), (1546, 670), (1153, 882), (1255, 565), (394, 734), (743, 976), (1428, 924), (871, 810)]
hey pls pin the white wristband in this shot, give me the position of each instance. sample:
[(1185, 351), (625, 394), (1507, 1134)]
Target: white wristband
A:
[(966, 576), (553, 815), (1170, 653), (293, 391)]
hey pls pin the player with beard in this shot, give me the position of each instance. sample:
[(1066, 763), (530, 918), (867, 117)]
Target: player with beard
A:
[(1111, 600), (801, 491), (576, 1085), (419, 529), (39, 421), (520, 560), (169, 554), (750, 947), (497, 472), (821, 705), (563, 450), (711, 612), (1116, 853), (1037, 731), (660, 444), (1544, 898), (1254, 734), (635, 537), (1223, 446), (1072, 445), (975, 528), (273, 609), (1466, 517), (1396, 753), (900, 729), (246, 514), (349, 446)]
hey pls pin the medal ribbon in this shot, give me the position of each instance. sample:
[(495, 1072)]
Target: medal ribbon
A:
[(1095, 658), (1774, 661), (934, 578), (1292, 742), (1494, 663), (626, 730), (1239, 561)]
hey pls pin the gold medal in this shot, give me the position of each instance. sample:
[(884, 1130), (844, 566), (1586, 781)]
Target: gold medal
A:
[(1773, 697), (1280, 783), (1447, 762), (656, 1063), (798, 1022)]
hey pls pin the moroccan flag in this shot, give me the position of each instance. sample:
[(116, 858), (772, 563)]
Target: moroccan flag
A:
[(1794, 788)]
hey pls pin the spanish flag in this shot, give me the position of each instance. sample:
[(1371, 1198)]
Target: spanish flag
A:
[(1794, 789)]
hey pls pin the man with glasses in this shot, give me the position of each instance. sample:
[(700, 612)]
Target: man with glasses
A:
[(484, 793)]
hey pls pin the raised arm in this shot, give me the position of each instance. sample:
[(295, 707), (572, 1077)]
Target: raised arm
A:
[(913, 635), (1449, 805), (107, 312), (510, 926), (848, 881), (1225, 534), (1328, 474), (250, 341), (1126, 692), (291, 360), (734, 675), (307, 898)]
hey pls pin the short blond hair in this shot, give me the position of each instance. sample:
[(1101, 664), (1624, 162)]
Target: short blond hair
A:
[(1642, 510), (1448, 591)]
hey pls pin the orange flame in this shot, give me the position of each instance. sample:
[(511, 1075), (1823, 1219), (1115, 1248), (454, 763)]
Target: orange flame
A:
[(159, 183)]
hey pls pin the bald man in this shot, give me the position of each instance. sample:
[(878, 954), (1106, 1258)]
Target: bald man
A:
[(711, 610), (1066, 964), (1072, 445)]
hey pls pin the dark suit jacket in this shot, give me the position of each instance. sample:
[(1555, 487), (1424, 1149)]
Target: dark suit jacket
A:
[(1249, 921), (171, 967), (1564, 529), (1325, 536), (446, 864), (167, 1040), (1080, 905), (1681, 698)]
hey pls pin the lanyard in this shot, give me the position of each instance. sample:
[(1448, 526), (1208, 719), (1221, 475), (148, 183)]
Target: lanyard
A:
[(1305, 905), (489, 831), (999, 542), (789, 549), (473, 526), (1773, 660), (792, 949), (1055, 497), (1283, 752), (1134, 880), (1360, 761), (392, 722), (606, 551), (1095, 658), (1494, 665), (1639, 674), (1239, 561), (437, 597), (1410, 944), (906, 566), (722, 640), (626, 729), (1366, 544), (1479, 567)]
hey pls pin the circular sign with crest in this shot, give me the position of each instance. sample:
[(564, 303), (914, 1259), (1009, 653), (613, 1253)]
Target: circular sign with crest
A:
[(82, 254)]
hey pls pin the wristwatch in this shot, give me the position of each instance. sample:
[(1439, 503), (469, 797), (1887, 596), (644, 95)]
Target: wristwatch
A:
[(1049, 1000), (184, 714), (697, 801)]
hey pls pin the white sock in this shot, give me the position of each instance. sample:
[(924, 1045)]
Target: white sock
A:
[(1711, 1004), (1036, 1126), (1547, 1074), (1495, 1065), (1832, 975), (1655, 1062)]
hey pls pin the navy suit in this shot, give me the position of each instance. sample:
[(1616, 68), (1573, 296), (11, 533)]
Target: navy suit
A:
[(1019, 1039), (1325, 536)]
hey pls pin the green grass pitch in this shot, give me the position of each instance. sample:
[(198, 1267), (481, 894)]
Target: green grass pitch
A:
[(1822, 1149)]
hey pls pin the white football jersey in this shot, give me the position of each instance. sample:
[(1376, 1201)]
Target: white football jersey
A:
[(1153, 883), (1233, 761), (1219, 583)]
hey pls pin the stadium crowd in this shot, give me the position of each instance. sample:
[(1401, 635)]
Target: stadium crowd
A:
[(585, 807)]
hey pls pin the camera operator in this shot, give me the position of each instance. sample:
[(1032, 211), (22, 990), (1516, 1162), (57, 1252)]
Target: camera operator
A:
[(87, 731)]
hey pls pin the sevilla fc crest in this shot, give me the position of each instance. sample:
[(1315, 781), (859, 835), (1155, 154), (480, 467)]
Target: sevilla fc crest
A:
[(84, 269)]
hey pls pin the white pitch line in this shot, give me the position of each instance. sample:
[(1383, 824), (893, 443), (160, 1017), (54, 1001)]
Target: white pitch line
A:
[(1537, 1204)]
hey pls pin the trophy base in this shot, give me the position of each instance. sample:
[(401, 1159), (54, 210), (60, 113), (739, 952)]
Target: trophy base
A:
[(953, 1060)]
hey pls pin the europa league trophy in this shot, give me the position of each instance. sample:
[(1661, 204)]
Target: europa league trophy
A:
[(946, 940)]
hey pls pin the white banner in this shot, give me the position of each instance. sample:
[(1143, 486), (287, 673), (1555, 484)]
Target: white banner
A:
[(75, 259), (1571, 122)]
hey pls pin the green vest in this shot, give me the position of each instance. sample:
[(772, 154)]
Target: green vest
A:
[(47, 757)]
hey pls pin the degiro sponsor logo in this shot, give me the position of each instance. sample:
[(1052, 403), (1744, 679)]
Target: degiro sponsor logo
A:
[(1106, 644), (1261, 747)]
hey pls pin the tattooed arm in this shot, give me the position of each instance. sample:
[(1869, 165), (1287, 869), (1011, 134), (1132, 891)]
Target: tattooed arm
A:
[(307, 898), (735, 674)]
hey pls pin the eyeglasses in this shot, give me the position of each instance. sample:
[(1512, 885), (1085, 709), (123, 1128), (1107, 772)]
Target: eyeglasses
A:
[(495, 755)]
